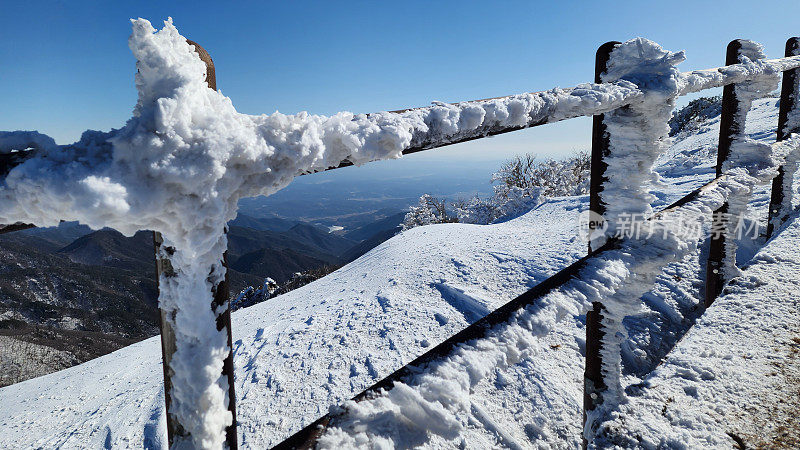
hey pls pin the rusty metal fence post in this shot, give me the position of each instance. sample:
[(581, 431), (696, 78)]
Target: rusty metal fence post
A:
[(789, 94), (600, 141), (593, 384), (730, 125), (220, 294)]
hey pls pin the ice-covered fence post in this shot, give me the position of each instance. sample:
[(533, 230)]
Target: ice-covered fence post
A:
[(593, 377), (731, 129), (780, 202), (627, 141), (729, 126), (220, 293), (599, 139)]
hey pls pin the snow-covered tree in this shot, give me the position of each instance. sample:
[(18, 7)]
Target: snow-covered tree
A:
[(476, 210), (429, 210), (520, 185), (250, 295), (554, 177)]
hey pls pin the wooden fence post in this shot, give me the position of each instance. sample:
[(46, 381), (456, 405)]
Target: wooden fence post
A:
[(729, 126), (789, 94), (220, 294), (593, 384)]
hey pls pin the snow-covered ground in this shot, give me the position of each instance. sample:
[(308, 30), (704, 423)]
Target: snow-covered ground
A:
[(736, 373), (300, 353)]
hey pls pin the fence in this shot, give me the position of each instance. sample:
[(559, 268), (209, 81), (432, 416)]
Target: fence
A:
[(617, 105), (732, 125)]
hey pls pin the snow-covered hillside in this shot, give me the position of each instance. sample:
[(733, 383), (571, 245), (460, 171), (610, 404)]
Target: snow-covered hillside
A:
[(300, 353), (736, 374)]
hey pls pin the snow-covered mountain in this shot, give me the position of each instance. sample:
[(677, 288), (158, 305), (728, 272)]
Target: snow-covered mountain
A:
[(69, 294), (303, 352)]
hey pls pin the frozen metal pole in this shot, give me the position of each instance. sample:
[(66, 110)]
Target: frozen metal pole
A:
[(789, 96), (220, 294), (729, 126), (593, 384)]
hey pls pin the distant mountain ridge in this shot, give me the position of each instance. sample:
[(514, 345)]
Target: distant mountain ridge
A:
[(262, 223), (79, 293), (111, 248), (372, 235)]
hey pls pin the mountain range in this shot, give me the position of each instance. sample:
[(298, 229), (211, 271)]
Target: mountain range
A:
[(84, 293)]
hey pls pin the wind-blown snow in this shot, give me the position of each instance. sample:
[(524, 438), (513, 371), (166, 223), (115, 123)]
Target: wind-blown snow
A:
[(638, 133), (745, 152)]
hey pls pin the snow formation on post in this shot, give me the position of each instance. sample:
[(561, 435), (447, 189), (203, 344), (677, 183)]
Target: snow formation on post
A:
[(179, 166), (629, 272), (746, 153), (791, 94), (638, 133)]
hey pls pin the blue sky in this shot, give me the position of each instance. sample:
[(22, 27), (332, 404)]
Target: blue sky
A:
[(65, 66)]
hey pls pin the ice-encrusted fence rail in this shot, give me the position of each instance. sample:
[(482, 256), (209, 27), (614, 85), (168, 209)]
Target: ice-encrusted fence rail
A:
[(180, 165)]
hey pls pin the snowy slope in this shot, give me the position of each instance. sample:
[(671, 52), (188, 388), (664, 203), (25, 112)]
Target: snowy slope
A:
[(302, 352), (735, 373)]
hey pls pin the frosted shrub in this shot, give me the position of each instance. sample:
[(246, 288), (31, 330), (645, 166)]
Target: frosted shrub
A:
[(520, 185), (555, 178), (695, 113), (429, 210), (476, 210), (251, 295)]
